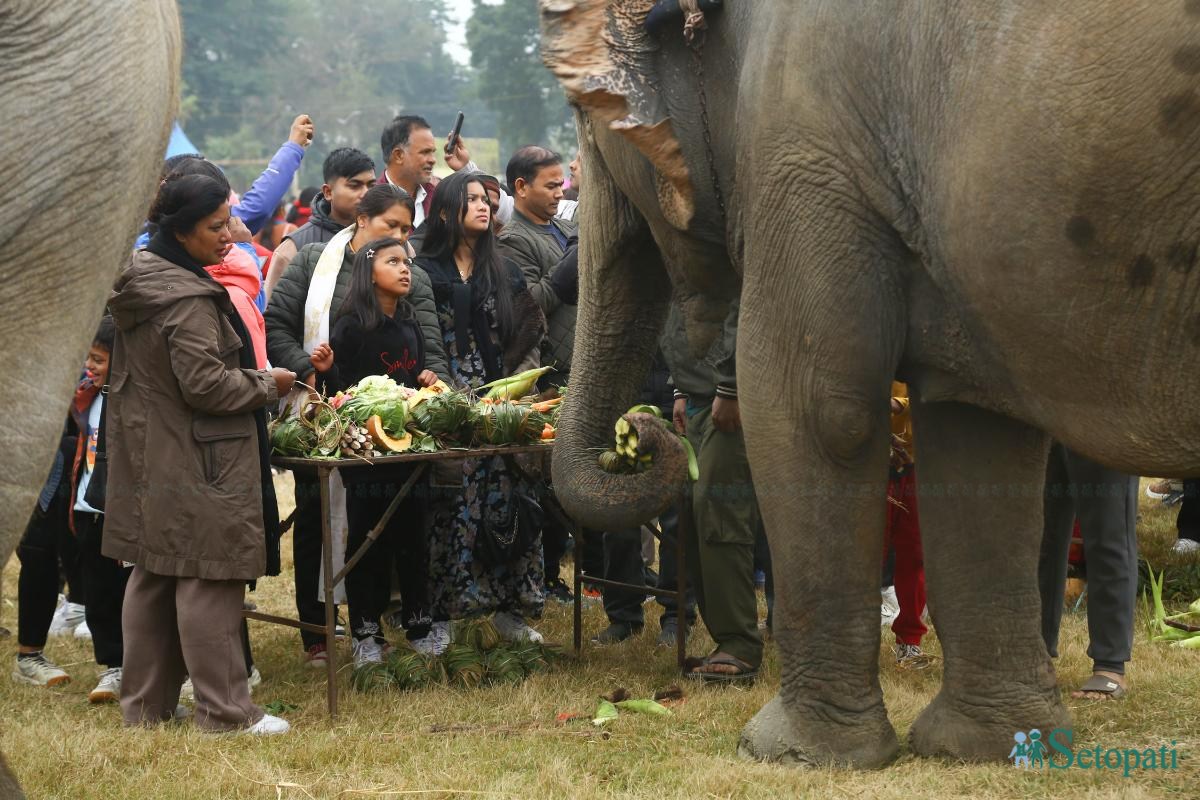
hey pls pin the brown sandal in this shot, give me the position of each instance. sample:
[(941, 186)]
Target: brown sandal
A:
[(1101, 684), (745, 673)]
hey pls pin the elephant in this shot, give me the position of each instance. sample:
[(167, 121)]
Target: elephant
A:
[(991, 200), (90, 92)]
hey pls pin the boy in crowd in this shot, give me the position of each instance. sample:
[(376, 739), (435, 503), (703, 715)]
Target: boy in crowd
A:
[(348, 173), (73, 505)]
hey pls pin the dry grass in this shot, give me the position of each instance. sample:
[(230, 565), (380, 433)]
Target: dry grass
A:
[(508, 745)]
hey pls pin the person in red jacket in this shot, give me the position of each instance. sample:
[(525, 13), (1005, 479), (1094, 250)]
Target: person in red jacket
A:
[(242, 278)]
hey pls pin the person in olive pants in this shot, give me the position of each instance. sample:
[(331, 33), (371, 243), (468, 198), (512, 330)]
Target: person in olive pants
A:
[(720, 556), (726, 521)]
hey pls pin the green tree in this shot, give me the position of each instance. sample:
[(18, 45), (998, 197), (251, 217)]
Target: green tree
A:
[(510, 78), (250, 66), (228, 46)]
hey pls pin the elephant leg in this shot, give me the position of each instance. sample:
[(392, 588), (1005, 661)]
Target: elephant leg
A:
[(814, 389), (981, 512)]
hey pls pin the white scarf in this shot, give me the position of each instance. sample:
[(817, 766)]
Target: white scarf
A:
[(316, 331), (320, 289)]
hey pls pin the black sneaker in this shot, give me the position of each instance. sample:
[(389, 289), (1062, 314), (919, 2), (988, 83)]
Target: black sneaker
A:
[(668, 636), (556, 589), (616, 632)]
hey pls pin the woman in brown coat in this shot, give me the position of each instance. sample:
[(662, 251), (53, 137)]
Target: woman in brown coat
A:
[(187, 457)]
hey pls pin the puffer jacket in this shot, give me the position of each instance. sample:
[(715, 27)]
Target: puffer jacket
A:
[(240, 275), (184, 496), (285, 313), (320, 227)]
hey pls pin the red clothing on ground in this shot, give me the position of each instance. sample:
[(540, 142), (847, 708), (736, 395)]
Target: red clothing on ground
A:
[(903, 529), (240, 276)]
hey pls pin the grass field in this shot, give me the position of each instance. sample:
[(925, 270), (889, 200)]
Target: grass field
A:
[(504, 742)]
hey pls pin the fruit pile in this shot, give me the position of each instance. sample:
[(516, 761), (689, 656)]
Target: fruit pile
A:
[(476, 657), (626, 458), (377, 417)]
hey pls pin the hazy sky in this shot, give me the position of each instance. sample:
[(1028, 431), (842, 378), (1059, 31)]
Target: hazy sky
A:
[(460, 12)]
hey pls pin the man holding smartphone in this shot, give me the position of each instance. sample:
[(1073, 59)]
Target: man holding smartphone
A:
[(410, 153)]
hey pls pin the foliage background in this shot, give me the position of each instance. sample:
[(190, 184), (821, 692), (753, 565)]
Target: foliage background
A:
[(251, 66)]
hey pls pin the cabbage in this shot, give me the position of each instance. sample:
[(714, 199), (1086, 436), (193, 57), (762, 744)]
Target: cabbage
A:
[(379, 389)]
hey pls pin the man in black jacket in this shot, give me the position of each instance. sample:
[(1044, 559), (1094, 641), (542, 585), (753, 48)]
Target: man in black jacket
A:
[(348, 174)]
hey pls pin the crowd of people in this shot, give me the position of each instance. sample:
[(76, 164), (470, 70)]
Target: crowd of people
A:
[(160, 508)]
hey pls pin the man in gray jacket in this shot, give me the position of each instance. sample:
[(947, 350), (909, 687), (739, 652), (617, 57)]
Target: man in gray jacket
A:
[(536, 241)]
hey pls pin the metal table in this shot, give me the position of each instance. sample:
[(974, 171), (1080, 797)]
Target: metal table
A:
[(421, 461)]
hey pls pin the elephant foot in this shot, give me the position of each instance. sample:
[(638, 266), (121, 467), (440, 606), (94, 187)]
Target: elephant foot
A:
[(983, 732), (775, 735)]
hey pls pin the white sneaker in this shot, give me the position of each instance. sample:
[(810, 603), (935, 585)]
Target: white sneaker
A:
[(39, 671), (108, 688), (367, 651), (187, 692), (1185, 546), (268, 726), (82, 631), (435, 642), (254, 680), (66, 617), (512, 627), (889, 607)]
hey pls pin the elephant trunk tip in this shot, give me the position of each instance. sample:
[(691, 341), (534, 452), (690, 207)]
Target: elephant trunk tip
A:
[(608, 502)]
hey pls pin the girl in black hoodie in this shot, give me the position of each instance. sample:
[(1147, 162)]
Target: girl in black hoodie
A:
[(376, 333)]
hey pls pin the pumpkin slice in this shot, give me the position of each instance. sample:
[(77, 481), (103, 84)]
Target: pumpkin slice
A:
[(392, 445)]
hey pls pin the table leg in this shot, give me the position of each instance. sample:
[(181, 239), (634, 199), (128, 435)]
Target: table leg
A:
[(578, 574), (330, 610), (682, 529)]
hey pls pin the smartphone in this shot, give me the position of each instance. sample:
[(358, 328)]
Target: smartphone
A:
[(452, 139)]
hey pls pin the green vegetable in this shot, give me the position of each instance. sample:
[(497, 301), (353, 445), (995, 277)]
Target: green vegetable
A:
[(644, 707), (605, 712)]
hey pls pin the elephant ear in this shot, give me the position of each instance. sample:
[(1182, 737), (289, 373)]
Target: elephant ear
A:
[(602, 55)]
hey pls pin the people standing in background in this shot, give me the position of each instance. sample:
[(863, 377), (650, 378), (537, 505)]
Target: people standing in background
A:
[(537, 242), (1105, 503), (56, 530), (348, 174), (104, 578), (902, 532), (726, 519), (377, 333), (384, 211), (491, 327)]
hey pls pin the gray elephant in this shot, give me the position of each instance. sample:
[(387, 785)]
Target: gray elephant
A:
[(994, 201), (90, 90)]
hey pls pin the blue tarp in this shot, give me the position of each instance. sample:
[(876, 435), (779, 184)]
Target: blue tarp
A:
[(179, 143)]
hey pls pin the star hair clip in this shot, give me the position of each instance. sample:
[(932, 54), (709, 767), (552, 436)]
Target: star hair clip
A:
[(371, 253)]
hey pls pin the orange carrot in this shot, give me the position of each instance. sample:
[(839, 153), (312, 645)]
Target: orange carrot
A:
[(546, 405)]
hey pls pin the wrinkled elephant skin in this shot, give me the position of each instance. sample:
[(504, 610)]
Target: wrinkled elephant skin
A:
[(993, 201), (90, 90)]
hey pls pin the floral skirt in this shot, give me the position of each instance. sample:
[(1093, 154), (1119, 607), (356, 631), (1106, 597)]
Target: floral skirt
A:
[(460, 586)]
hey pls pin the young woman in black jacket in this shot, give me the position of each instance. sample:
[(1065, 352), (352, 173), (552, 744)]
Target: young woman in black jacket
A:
[(376, 333), (491, 327)]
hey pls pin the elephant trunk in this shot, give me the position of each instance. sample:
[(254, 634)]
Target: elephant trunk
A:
[(622, 307)]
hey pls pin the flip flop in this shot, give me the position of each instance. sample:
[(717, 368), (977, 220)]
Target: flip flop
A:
[(1102, 685), (745, 673)]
